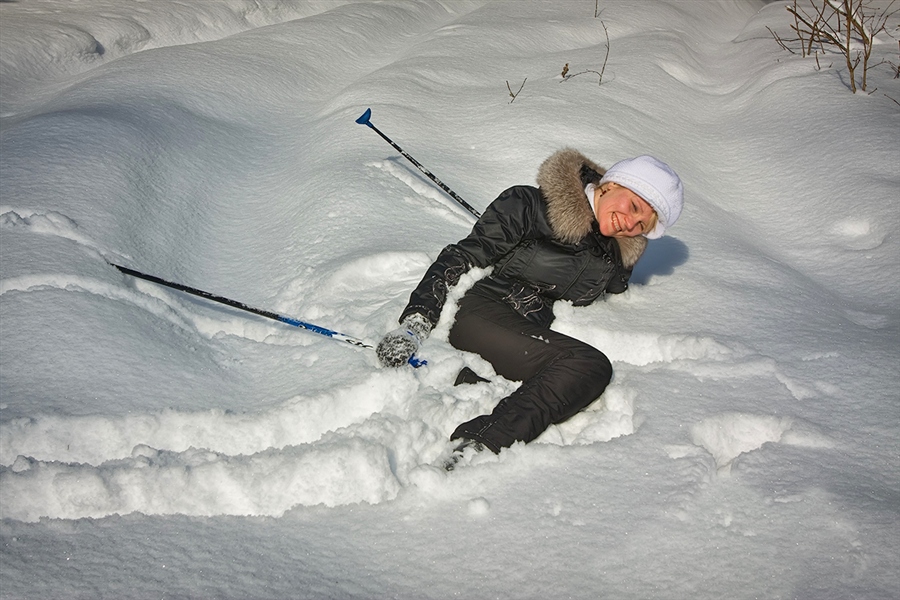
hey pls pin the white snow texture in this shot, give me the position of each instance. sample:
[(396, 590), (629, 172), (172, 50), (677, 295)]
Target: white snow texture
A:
[(155, 444)]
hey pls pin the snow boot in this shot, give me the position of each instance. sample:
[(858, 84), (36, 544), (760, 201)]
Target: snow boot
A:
[(467, 375)]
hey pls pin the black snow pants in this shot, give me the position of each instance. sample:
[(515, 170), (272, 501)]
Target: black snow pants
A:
[(560, 375)]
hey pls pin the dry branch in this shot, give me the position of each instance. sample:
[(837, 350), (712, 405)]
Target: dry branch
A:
[(565, 72), (514, 95), (847, 27)]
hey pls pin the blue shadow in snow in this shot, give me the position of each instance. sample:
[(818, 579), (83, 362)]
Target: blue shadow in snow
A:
[(660, 258)]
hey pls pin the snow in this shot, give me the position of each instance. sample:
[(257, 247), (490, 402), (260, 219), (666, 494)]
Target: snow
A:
[(153, 444)]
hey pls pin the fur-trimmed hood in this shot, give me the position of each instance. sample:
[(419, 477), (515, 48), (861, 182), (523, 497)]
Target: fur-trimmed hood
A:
[(562, 179)]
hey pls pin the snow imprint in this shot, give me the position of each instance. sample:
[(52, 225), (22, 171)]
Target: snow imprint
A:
[(858, 234), (45, 222), (728, 435)]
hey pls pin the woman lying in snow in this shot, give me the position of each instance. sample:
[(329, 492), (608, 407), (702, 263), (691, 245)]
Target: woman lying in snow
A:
[(575, 238)]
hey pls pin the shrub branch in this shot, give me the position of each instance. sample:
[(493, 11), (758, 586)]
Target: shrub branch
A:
[(514, 95), (565, 71), (847, 27)]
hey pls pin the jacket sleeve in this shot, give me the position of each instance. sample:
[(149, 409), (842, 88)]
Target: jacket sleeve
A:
[(618, 283), (506, 221)]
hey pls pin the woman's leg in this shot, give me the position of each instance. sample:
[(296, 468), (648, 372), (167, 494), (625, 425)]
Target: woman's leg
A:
[(561, 375)]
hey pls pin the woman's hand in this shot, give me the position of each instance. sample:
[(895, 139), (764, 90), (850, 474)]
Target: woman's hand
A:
[(398, 346)]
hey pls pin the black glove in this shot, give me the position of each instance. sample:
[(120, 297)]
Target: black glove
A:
[(397, 347)]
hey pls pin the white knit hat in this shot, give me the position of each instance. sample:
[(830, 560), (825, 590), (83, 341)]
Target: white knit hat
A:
[(655, 182)]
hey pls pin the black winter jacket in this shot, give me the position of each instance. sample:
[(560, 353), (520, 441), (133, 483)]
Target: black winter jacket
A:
[(544, 244)]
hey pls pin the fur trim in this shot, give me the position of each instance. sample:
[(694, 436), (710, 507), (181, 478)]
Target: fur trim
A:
[(631, 249), (570, 215), (559, 178)]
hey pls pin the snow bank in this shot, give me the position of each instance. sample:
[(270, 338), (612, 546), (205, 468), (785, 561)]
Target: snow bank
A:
[(198, 482), (155, 444)]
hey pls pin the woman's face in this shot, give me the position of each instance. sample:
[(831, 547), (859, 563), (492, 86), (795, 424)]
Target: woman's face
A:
[(620, 212)]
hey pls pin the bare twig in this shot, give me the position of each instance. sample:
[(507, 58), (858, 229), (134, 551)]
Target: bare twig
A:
[(597, 73), (565, 72), (818, 65), (606, 58), (848, 27), (780, 41), (514, 95)]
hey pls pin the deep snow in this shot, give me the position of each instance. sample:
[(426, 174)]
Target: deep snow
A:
[(156, 445)]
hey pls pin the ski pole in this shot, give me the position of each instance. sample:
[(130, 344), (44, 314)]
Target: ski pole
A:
[(415, 362), (364, 120)]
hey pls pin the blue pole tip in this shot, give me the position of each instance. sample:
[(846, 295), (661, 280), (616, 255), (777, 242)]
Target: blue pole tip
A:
[(364, 119)]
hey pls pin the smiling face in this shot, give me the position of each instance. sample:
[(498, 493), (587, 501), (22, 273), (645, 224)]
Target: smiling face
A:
[(621, 213)]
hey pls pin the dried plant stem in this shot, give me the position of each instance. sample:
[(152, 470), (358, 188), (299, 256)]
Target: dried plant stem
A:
[(565, 73), (847, 27), (514, 95)]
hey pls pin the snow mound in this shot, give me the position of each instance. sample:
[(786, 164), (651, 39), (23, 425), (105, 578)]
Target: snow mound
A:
[(198, 482), (728, 435)]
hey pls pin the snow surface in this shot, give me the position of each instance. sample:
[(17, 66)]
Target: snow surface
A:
[(155, 445)]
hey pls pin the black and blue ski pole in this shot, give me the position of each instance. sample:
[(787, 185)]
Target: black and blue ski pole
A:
[(415, 362), (365, 120)]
